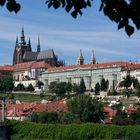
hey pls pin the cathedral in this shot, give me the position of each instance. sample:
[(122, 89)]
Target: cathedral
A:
[(23, 53)]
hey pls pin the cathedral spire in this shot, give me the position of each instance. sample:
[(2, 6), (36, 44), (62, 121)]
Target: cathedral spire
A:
[(29, 42), (22, 32), (92, 60), (29, 45), (80, 59), (17, 40), (38, 45), (22, 38)]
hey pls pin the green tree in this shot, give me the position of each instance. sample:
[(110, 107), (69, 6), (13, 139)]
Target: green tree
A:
[(138, 90), (48, 117), (107, 84), (6, 84), (42, 117), (67, 118), (135, 116), (135, 82), (86, 108), (76, 88), (118, 120), (34, 117), (97, 88), (20, 87), (127, 81), (68, 87), (39, 84), (30, 88), (103, 85), (58, 88), (82, 86), (52, 87)]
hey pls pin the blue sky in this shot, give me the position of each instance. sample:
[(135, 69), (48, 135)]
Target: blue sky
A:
[(59, 31)]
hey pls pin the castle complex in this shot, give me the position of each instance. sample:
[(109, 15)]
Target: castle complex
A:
[(30, 66)]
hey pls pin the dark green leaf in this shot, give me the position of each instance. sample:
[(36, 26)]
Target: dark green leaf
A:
[(68, 7), (74, 14), (129, 30), (89, 3), (17, 8), (122, 23), (101, 7), (63, 3), (50, 4), (2, 2), (48, 1), (137, 23), (56, 4), (10, 6), (80, 12)]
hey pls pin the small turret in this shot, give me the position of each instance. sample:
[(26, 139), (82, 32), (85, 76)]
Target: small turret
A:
[(80, 60), (92, 60), (38, 45)]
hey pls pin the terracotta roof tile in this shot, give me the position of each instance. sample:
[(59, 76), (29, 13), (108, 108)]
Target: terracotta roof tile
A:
[(124, 65), (31, 65), (7, 68), (27, 108), (109, 111)]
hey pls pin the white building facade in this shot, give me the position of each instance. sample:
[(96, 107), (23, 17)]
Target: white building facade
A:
[(114, 72), (27, 73)]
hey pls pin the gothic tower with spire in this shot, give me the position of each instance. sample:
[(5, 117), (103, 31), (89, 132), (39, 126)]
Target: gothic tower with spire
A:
[(92, 60), (23, 52), (80, 60), (20, 48)]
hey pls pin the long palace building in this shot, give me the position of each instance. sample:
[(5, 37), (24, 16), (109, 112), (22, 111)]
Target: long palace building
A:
[(92, 73)]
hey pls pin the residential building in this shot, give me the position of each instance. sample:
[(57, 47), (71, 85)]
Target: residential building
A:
[(22, 111), (28, 72), (6, 70)]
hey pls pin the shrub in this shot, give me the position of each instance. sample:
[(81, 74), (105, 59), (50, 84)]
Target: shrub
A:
[(88, 131)]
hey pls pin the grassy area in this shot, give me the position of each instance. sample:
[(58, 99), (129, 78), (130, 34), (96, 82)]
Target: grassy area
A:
[(25, 97)]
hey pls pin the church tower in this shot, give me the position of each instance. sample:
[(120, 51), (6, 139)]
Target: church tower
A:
[(80, 60), (92, 60), (20, 48)]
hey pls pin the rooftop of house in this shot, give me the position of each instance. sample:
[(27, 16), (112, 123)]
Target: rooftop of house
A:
[(28, 108), (6, 68), (109, 113)]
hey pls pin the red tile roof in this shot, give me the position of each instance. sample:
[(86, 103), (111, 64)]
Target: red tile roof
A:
[(124, 65), (109, 113), (6, 68), (130, 109), (31, 65), (28, 108)]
